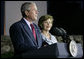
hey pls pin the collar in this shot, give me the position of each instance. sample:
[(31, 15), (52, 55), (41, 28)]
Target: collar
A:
[(28, 23)]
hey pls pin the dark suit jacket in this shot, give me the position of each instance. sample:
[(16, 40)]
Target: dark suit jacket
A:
[(22, 37)]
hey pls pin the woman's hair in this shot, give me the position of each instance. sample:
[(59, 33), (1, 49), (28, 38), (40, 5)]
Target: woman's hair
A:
[(44, 18)]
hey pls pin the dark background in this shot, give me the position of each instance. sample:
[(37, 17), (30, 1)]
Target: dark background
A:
[(2, 8), (68, 15)]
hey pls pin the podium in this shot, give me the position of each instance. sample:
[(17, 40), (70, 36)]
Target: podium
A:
[(57, 50)]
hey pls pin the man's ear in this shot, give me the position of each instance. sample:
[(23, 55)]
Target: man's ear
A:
[(26, 13)]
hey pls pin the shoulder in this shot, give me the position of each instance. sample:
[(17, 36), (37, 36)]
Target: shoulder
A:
[(15, 25), (52, 36), (43, 37)]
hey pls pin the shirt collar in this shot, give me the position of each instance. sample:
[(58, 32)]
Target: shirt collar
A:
[(28, 23)]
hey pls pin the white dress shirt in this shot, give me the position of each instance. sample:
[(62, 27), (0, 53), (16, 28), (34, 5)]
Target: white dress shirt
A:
[(28, 23)]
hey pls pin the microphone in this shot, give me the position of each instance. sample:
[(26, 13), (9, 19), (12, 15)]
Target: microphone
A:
[(57, 31), (61, 32), (65, 37)]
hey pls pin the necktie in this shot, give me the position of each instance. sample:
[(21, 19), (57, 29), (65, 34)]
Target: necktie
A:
[(33, 30)]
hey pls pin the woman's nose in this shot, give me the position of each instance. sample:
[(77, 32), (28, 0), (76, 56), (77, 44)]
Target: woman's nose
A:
[(48, 23)]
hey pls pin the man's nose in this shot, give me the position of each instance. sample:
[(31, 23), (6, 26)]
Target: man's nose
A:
[(37, 12)]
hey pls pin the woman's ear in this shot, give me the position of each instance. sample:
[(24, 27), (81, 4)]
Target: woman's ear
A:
[(26, 13)]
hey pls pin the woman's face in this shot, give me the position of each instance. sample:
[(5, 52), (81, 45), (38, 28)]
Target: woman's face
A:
[(47, 25)]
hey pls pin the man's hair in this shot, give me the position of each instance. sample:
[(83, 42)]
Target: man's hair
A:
[(26, 6), (44, 18)]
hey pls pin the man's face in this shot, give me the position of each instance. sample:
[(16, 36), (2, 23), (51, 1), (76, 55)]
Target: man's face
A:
[(33, 13)]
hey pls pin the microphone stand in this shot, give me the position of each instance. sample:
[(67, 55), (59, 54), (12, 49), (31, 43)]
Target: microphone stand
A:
[(66, 38)]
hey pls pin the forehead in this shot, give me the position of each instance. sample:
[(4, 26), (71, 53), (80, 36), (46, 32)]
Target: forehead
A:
[(48, 19), (33, 6)]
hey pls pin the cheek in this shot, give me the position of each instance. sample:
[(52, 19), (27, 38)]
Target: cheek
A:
[(44, 26), (50, 25), (32, 13)]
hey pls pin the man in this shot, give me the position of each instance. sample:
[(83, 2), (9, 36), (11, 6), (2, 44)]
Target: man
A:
[(21, 32)]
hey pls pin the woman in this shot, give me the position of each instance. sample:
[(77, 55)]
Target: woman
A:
[(45, 23)]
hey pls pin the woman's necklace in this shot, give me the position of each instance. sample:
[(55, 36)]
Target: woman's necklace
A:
[(48, 35)]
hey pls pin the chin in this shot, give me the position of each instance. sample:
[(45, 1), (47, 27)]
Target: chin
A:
[(35, 18), (47, 29)]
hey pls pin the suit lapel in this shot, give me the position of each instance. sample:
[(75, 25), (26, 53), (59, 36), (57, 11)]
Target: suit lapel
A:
[(29, 32), (37, 35)]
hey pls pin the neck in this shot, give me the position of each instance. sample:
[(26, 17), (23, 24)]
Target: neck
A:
[(28, 19), (45, 32)]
